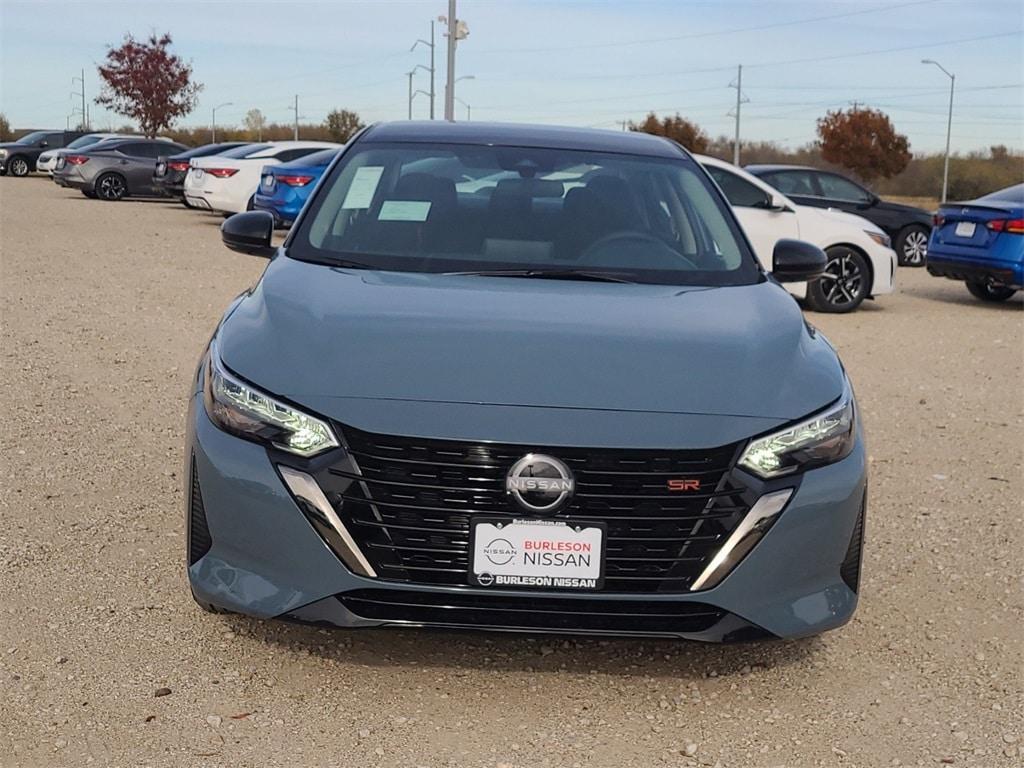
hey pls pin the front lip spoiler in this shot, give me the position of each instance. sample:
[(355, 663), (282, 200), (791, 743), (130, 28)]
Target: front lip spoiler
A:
[(330, 613)]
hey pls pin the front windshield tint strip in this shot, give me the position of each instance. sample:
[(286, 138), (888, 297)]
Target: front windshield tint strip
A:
[(466, 208)]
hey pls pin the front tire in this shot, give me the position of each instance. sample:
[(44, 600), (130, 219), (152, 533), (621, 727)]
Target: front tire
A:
[(18, 166), (912, 246), (111, 187), (845, 283), (989, 292)]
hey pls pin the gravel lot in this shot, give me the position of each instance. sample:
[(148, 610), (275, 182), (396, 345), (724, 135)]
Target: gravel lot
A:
[(105, 308)]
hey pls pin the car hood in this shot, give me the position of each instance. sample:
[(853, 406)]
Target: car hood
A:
[(309, 332), (835, 216)]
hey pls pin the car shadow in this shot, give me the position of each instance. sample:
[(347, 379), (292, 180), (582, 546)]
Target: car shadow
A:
[(941, 293), (397, 647)]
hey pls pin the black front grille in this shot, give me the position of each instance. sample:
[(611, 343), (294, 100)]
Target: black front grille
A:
[(476, 610), (409, 501)]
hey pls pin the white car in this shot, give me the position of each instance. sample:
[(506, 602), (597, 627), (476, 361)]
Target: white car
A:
[(47, 162), (228, 182), (861, 261)]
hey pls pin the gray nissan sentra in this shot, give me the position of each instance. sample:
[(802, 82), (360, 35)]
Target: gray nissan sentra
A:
[(523, 378)]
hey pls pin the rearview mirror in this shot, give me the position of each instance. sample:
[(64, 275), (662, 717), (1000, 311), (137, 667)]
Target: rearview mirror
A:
[(249, 233), (795, 261)]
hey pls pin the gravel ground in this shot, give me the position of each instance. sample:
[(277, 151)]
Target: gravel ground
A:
[(104, 659)]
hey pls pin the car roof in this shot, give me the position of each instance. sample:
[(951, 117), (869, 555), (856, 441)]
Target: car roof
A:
[(765, 167), (522, 135)]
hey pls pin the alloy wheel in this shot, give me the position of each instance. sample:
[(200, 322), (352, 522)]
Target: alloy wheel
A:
[(842, 283), (19, 167), (915, 248), (111, 187)]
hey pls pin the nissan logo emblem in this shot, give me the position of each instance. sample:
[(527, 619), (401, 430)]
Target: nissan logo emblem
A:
[(539, 483)]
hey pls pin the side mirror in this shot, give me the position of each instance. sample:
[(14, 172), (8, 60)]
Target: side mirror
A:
[(44, 143), (249, 233), (776, 203), (870, 202), (795, 261)]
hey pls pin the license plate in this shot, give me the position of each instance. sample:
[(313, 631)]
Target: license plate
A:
[(161, 169), (514, 553), (964, 229)]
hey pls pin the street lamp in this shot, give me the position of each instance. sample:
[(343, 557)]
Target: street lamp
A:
[(456, 98), (213, 121), (949, 123), (430, 69), (412, 72)]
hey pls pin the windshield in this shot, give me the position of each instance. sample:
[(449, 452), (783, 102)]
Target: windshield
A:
[(243, 151), (463, 208), (85, 141), (32, 138)]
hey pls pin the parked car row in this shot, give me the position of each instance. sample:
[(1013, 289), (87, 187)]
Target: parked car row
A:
[(863, 236)]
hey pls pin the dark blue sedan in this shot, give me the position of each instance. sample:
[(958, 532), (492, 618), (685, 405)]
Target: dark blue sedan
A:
[(285, 188), (982, 243)]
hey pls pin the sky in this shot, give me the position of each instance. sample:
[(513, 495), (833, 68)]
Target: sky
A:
[(573, 62)]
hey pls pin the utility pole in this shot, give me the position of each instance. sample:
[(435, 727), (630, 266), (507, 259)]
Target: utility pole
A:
[(431, 69), (740, 99), (85, 113), (296, 133), (457, 30), (409, 74), (949, 124)]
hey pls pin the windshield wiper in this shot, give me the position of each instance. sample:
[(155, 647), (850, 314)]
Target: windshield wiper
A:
[(550, 274)]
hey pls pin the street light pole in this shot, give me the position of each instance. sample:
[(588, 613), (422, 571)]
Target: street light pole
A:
[(463, 103), (457, 30), (466, 105), (431, 69), (213, 121), (949, 124), (409, 74)]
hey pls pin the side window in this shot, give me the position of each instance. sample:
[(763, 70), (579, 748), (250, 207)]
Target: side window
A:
[(54, 140), (792, 182), (839, 188), (739, 192), (140, 149), (287, 155)]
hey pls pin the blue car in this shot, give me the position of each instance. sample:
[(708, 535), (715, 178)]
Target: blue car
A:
[(523, 378), (285, 188), (982, 243)]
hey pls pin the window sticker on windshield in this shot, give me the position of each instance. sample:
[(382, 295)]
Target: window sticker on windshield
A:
[(404, 210), (364, 184)]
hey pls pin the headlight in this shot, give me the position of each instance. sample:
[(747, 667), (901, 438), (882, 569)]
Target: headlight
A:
[(824, 438), (3, 153), (879, 237), (243, 410)]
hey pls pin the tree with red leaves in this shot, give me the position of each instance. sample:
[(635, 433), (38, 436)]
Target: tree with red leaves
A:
[(677, 128), (864, 141), (146, 82)]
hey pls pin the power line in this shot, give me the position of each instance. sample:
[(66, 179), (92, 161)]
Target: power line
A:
[(713, 33), (785, 62)]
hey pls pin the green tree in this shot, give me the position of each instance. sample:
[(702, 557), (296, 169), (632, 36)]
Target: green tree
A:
[(864, 141), (146, 82), (255, 122), (677, 128), (5, 128), (342, 124)]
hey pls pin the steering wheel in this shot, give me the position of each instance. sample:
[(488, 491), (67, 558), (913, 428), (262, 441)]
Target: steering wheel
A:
[(638, 237)]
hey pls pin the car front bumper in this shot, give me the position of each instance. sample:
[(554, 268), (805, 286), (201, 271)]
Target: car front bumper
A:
[(993, 271), (259, 554)]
